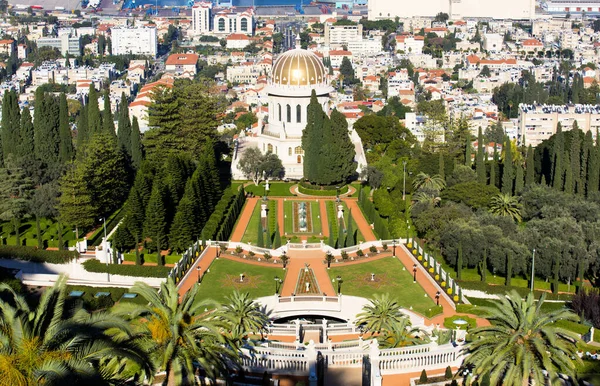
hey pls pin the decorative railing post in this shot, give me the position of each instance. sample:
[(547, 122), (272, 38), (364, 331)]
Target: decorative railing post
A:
[(311, 355), (376, 379)]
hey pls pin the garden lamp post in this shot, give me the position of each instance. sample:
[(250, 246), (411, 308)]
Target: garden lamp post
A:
[(394, 248), (337, 194), (437, 297), (339, 284), (104, 249), (532, 268), (277, 279), (414, 273), (198, 270)]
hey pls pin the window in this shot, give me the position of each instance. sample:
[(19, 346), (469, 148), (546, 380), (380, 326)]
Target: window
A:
[(221, 24), (299, 150), (269, 148), (289, 151), (279, 108), (299, 159), (289, 113), (244, 25), (298, 113)]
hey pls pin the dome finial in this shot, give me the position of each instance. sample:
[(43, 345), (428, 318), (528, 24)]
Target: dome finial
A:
[(298, 42)]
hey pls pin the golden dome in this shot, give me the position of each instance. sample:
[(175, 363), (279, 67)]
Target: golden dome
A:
[(298, 68)]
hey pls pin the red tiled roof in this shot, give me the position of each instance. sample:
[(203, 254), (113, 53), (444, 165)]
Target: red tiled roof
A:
[(182, 59)]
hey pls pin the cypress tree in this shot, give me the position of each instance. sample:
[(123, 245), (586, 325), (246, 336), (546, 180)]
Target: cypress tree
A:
[(569, 183), (135, 215), (11, 124), (530, 168), (155, 225), (557, 165), (312, 139), (480, 161), (277, 238), (46, 135), (340, 151), (507, 170), (136, 145), (268, 239), (260, 242), (575, 158), (38, 118), (508, 279), (468, 152), (65, 149), (593, 169), (94, 117), (586, 149), (83, 131), (341, 236), (495, 157), (442, 167), (124, 132), (26, 133), (519, 183), (483, 266), (349, 231), (331, 242), (459, 262), (493, 173), (108, 122)]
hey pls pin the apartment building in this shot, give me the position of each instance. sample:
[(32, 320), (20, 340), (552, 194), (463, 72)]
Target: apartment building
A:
[(136, 41), (342, 34)]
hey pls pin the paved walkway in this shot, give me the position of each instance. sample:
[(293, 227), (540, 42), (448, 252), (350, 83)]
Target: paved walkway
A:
[(324, 220), (361, 221), (244, 219), (191, 278), (298, 258)]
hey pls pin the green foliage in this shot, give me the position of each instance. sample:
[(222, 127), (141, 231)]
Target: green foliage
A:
[(36, 255), (126, 270), (507, 169), (94, 117), (10, 125), (156, 223), (136, 145), (472, 194), (65, 149), (423, 377)]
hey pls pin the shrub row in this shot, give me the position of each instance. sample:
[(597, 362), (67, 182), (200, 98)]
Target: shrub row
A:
[(308, 185), (36, 255), (324, 192), (126, 270), (111, 222), (380, 226), (222, 220)]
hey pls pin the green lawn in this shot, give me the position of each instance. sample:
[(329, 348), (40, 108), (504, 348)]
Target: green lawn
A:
[(251, 233), (276, 189), (390, 278), (151, 257), (224, 277), (289, 218), (332, 214)]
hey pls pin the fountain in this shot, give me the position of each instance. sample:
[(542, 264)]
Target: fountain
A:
[(302, 223)]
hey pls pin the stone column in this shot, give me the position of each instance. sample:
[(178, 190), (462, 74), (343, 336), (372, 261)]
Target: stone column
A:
[(376, 378), (311, 355), (324, 330)]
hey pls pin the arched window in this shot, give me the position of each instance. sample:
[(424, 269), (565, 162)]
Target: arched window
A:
[(222, 25), (279, 108), (299, 150), (298, 113), (244, 25), (289, 113), (269, 148), (289, 151)]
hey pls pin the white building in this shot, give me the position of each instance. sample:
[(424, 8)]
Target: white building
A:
[(295, 75), (493, 42), (365, 47), (136, 41), (342, 34), (457, 9), (230, 22), (201, 18), (572, 6), (65, 43)]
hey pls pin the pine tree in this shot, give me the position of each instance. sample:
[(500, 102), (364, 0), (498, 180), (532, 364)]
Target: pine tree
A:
[(441, 166), (593, 170), (569, 183), (124, 132), (182, 230), (557, 165), (468, 152), (519, 183), (76, 205), (156, 226), (108, 122), (65, 148), (136, 145), (312, 139), (11, 123), (83, 133), (135, 213), (350, 231), (94, 117), (341, 235), (530, 168), (480, 161), (507, 170), (575, 158), (586, 149)]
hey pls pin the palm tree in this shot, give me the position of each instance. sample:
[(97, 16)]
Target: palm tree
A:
[(521, 343), (425, 181), (182, 333), (243, 314), (380, 315), (506, 205), (401, 334), (53, 344), (428, 198)]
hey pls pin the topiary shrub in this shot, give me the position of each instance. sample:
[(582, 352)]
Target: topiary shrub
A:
[(360, 253), (344, 255), (448, 374), (238, 250), (423, 377), (373, 249), (384, 246)]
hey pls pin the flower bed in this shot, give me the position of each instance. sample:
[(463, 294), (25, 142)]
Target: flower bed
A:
[(307, 275)]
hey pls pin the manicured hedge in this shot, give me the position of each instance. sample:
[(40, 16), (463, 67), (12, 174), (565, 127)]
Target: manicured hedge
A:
[(111, 222), (36, 255), (325, 191), (221, 222), (126, 270), (380, 226)]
